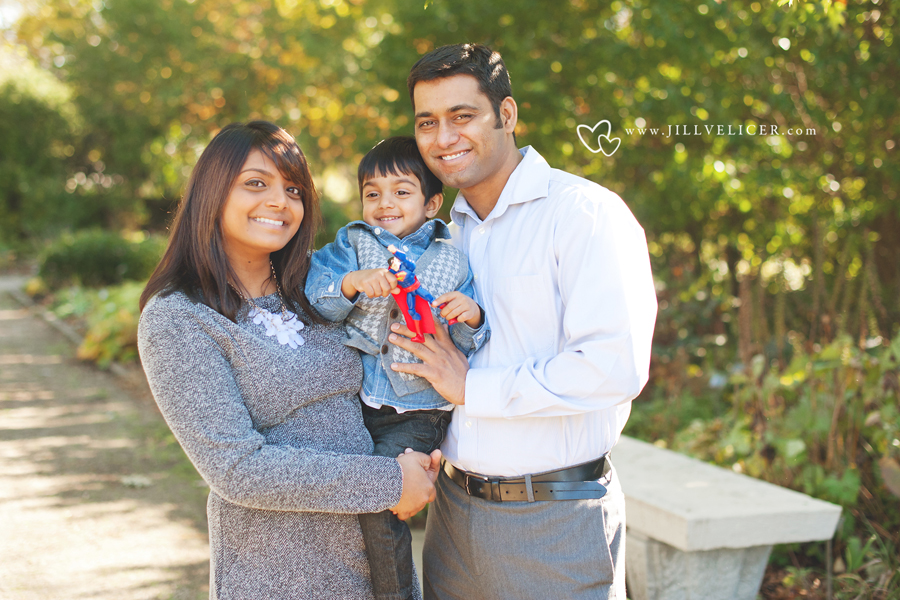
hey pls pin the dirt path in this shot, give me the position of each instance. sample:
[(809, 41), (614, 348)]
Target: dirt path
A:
[(96, 499)]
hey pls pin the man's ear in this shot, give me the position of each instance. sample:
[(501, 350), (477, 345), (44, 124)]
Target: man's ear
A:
[(509, 114), (433, 205)]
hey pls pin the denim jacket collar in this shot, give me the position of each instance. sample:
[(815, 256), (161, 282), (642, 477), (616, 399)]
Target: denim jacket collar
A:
[(433, 229)]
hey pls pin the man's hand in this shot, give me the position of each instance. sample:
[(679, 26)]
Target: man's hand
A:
[(443, 365), (420, 471), (456, 305), (374, 283), (432, 470)]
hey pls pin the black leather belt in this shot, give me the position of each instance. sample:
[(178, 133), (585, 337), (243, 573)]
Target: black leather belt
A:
[(572, 483)]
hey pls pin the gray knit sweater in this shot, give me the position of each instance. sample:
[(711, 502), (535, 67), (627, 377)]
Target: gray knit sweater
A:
[(278, 436)]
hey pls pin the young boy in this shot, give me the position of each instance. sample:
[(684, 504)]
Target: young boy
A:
[(349, 281)]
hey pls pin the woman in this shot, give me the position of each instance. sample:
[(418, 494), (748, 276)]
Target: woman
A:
[(260, 392)]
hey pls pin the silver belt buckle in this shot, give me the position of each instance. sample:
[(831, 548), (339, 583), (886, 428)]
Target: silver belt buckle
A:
[(470, 477)]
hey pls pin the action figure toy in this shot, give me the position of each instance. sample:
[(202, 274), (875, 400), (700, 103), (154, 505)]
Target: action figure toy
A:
[(417, 308)]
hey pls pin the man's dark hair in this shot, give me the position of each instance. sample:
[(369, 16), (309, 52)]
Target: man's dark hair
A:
[(398, 156), (479, 61)]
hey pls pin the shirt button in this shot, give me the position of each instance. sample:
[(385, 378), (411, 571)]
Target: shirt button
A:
[(395, 313), (377, 231), (384, 349), (468, 423), (406, 248), (475, 276), (331, 288), (481, 230)]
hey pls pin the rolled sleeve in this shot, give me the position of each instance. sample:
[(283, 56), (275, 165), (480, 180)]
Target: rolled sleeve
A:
[(467, 339), (327, 270), (328, 300)]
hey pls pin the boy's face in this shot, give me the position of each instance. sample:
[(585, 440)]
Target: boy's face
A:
[(396, 203)]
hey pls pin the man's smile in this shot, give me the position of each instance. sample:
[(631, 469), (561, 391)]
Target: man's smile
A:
[(455, 155)]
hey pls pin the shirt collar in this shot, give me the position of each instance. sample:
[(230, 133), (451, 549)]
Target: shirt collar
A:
[(429, 231), (529, 181)]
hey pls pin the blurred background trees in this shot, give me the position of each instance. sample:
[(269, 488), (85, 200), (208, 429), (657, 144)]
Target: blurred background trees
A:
[(139, 86), (776, 254)]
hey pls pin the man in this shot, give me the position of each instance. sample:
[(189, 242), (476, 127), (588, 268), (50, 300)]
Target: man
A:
[(528, 504)]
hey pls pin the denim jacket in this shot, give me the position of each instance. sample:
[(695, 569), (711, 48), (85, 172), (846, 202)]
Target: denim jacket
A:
[(440, 267)]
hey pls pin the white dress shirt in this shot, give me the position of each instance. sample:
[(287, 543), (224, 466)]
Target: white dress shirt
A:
[(563, 273)]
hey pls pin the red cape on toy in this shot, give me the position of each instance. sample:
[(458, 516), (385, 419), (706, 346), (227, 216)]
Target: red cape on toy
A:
[(423, 308)]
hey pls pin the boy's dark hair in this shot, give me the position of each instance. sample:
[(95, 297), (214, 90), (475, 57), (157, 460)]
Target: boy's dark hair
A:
[(477, 60), (398, 156)]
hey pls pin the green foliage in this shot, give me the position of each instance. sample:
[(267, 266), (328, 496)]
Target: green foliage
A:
[(870, 569), (111, 315), (336, 216), (789, 212), (855, 553), (827, 424), (112, 326), (49, 180), (35, 119), (811, 214), (774, 254), (96, 258)]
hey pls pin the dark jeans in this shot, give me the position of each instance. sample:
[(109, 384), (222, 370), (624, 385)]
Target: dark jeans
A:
[(388, 540)]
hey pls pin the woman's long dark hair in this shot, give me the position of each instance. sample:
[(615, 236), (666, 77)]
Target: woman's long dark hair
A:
[(195, 262)]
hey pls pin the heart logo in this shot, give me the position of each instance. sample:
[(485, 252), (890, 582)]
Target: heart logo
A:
[(611, 142)]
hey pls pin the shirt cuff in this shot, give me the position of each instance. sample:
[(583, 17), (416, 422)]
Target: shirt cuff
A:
[(485, 395), (469, 340), (331, 302)]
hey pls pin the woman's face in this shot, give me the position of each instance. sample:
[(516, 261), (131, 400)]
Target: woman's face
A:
[(263, 210)]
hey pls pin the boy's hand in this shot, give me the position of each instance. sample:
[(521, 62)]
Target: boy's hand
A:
[(374, 283), (457, 305)]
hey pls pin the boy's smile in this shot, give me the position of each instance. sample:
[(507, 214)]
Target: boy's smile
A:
[(397, 204)]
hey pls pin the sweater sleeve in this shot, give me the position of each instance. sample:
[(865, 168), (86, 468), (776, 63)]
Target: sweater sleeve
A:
[(193, 383)]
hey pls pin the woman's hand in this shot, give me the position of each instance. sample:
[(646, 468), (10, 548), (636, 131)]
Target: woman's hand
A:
[(420, 471)]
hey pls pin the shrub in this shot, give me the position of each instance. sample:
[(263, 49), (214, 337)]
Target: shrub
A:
[(95, 258), (39, 124), (110, 316), (826, 424), (112, 325)]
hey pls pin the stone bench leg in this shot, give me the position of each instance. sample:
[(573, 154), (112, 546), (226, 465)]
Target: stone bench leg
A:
[(657, 571)]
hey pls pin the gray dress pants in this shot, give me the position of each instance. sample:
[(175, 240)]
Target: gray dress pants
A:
[(482, 550)]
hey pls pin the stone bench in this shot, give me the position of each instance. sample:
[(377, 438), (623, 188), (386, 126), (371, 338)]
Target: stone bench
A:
[(700, 532)]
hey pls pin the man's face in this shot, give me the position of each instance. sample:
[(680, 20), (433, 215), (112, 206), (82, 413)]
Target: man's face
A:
[(457, 134)]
